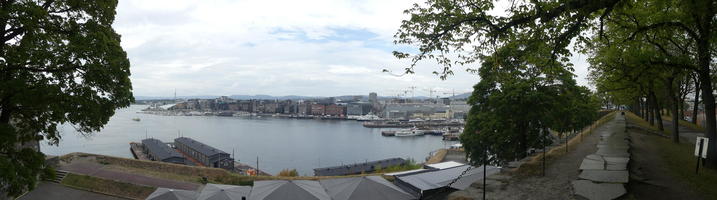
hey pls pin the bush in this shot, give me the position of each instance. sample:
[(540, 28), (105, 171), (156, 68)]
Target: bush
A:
[(287, 172)]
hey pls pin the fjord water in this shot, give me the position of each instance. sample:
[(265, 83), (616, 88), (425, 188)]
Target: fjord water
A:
[(302, 144)]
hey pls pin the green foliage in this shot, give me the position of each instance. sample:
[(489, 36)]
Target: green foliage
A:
[(61, 62), (410, 165), (526, 82), (642, 53), (288, 172), (517, 101)]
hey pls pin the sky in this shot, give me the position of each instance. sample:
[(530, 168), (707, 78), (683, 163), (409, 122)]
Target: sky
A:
[(250, 47)]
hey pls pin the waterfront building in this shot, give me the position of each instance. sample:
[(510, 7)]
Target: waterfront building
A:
[(365, 167), (205, 154), (159, 151), (318, 109), (359, 108), (372, 98), (304, 108), (335, 110)]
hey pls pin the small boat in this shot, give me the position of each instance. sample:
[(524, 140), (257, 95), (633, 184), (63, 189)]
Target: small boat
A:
[(409, 132), (434, 132), (388, 133), (136, 119)]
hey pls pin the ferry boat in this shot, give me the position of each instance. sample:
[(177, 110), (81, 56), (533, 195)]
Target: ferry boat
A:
[(369, 117), (409, 132)]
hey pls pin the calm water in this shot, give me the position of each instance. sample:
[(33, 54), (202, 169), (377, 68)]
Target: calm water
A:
[(302, 144)]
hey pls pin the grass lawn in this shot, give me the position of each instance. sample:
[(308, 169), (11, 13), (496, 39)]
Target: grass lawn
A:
[(105, 186), (681, 161)]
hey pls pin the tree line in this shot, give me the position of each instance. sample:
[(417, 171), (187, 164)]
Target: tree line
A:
[(648, 54)]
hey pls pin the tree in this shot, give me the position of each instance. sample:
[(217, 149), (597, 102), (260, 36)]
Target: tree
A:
[(519, 98), (467, 28), (61, 62)]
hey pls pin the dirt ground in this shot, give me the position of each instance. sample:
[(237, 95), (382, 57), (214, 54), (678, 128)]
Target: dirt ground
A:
[(554, 185)]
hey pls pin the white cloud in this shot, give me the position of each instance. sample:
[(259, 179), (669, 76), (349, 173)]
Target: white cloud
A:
[(270, 47)]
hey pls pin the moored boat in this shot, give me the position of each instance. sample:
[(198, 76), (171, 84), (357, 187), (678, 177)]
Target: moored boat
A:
[(388, 133), (409, 132)]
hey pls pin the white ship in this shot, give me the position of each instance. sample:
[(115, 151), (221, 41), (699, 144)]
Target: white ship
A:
[(369, 117), (409, 132)]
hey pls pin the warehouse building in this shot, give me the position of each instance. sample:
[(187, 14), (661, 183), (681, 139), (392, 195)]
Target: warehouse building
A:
[(204, 154), (358, 168), (159, 151)]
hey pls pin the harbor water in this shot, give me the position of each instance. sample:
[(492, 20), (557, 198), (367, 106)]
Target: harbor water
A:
[(278, 143)]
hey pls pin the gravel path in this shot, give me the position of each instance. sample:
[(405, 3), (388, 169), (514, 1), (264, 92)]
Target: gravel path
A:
[(554, 185)]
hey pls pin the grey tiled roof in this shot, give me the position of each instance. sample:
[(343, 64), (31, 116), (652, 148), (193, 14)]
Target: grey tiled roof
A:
[(198, 146), (159, 149), (358, 168)]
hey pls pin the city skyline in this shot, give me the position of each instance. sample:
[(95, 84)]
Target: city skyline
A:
[(316, 48)]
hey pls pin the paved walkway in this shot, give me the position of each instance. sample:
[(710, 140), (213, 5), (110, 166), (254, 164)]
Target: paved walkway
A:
[(603, 175), (554, 185), (50, 190), (95, 169)]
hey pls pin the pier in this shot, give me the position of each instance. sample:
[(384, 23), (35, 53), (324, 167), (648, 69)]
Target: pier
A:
[(136, 149), (400, 124)]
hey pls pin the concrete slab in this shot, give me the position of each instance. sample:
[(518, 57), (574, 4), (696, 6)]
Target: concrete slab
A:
[(589, 163), (613, 152), (616, 166), (605, 176), (598, 191), (594, 157), (611, 160)]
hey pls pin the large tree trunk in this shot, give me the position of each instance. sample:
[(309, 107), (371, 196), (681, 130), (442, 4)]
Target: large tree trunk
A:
[(638, 107), (674, 98), (523, 141), (651, 109), (708, 100), (645, 108), (657, 108)]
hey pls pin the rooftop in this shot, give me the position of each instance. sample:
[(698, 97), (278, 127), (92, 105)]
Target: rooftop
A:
[(358, 167), (159, 149), (198, 146)]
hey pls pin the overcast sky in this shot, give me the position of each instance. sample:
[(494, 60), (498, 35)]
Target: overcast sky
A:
[(307, 47)]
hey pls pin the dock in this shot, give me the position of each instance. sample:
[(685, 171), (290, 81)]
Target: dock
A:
[(400, 124), (136, 149)]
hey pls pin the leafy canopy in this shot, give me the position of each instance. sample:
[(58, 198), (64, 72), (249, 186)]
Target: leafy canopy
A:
[(60, 62)]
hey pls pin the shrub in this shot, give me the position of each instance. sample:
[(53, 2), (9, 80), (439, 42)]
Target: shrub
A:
[(287, 172)]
